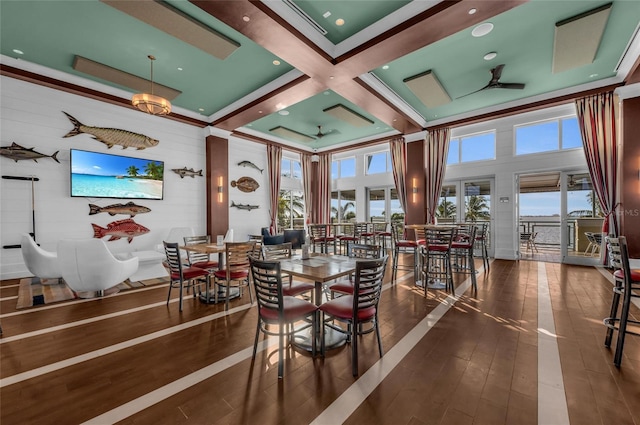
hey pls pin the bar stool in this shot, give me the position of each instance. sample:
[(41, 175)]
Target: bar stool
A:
[(482, 235), (383, 234), (626, 281), (348, 236), (320, 236), (404, 245), (366, 233), (462, 248), (435, 258)]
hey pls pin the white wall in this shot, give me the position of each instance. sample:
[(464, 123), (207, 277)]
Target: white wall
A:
[(31, 116)]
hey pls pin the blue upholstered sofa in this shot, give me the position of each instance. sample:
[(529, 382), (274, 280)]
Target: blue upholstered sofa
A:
[(295, 236)]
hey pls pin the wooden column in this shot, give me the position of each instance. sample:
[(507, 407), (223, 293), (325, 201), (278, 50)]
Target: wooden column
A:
[(415, 209), (629, 211), (217, 151)]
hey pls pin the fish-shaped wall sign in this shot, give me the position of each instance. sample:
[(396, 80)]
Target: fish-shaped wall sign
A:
[(128, 208), (187, 172), (20, 153), (119, 229), (245, 184), (244, 206), (112, 136), (250, 164)]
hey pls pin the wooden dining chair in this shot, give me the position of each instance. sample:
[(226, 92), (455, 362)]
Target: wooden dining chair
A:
[(359, 308), (275, 308), (235, 269)]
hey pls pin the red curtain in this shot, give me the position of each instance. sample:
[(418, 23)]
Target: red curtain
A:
[(398, 150), (596, 119), (436, 148), (274, 158), (307, 181)]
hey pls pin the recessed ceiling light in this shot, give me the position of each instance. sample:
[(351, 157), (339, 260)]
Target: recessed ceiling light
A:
[(593, 75), (283, 112), (249, 125), (472, 11), (179, 69), (246, 18), (326, 93), (18, 51), (385, 67), (259, 112), (490, 55), (482, 29), (276, 62), (339, 22), (201, 109), (326, 14), (331, 77)]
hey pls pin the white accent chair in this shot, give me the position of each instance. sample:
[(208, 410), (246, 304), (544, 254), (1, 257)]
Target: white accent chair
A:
[(41, 263), (90, 269)]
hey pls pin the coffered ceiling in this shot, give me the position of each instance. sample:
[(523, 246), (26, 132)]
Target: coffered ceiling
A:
[(351, 71)]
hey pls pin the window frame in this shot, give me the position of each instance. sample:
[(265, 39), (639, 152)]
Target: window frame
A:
[(560, 135)]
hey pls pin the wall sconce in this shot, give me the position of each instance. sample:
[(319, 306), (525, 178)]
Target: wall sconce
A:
[(220, 190), (414, 189)]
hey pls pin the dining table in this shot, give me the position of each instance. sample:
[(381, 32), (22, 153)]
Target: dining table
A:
[(320, 268), (212, 248)]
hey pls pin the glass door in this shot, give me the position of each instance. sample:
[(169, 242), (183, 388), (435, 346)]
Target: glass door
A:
[(581, 220)]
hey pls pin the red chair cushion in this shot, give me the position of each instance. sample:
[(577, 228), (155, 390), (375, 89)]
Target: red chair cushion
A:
[(461, 245), (348, 238), (635, 274), (205, 264), (190, 273), (222, 274), (297, 288), (439, 248), (343, 308), (293, 309), (407, 244), (344, 287)]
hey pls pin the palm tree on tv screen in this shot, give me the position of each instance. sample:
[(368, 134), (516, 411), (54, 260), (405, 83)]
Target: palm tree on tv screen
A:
[(154, 170), (132, 171)]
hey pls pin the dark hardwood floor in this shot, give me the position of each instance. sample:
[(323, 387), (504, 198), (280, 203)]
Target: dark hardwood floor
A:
[(485, 359)]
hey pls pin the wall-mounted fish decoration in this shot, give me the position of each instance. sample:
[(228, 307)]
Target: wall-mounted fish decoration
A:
[(119, 229), (250, 164), (187, 172), (245, 184), (112, 136), (128, 208), (20, 153), (244, 206)]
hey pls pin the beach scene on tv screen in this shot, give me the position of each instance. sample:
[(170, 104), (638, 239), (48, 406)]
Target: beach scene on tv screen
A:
[(98, 175)]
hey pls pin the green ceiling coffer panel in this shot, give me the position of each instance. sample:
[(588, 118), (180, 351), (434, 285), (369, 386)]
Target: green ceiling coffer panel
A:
[(345, 114), (291, 134), (105, 72), (577, 38), (428, 89), (176, 23)]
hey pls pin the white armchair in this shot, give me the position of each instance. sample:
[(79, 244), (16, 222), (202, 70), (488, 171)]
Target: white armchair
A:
[(88, 266), (41, 263)]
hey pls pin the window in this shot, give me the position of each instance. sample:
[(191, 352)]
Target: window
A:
[(291, 168), (478, 147), (343, 206), (290, 209), (548, 136), (378, 163), (345, 167), (380, 209)]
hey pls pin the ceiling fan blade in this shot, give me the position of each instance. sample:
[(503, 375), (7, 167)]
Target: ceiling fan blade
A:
[(496, 73), (517, 86), (488, 86)]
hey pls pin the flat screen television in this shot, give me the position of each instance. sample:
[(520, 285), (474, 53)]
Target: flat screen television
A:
[(103, 175)]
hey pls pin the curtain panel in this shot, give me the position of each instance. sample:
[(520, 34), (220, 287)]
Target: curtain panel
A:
[(436, 148), (274, 161), (323, 206), (596, 119), (307, 171), (398, 149)]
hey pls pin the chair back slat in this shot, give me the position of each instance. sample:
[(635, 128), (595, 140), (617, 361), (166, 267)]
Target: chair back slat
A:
[(237, 255), (438, 237), (397, 231), (359, 250), (173, 261), (277, 251), (369, 276), (267, 283), (196, 257)]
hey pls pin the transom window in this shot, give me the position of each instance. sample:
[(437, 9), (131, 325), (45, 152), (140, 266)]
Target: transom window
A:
[(291, 168), (476, 147), (379, 162), (341, 168), (548, 136)]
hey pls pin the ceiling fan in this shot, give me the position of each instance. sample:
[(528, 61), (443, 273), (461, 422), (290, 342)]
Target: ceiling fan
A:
[(320, 134), (495, 83), (573, 182)]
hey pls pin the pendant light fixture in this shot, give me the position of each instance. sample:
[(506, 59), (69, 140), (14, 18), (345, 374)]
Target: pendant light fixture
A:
[(150, 103)]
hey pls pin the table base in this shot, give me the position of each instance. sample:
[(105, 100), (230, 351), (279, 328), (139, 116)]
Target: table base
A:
[(332, 339), (222, 296)]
